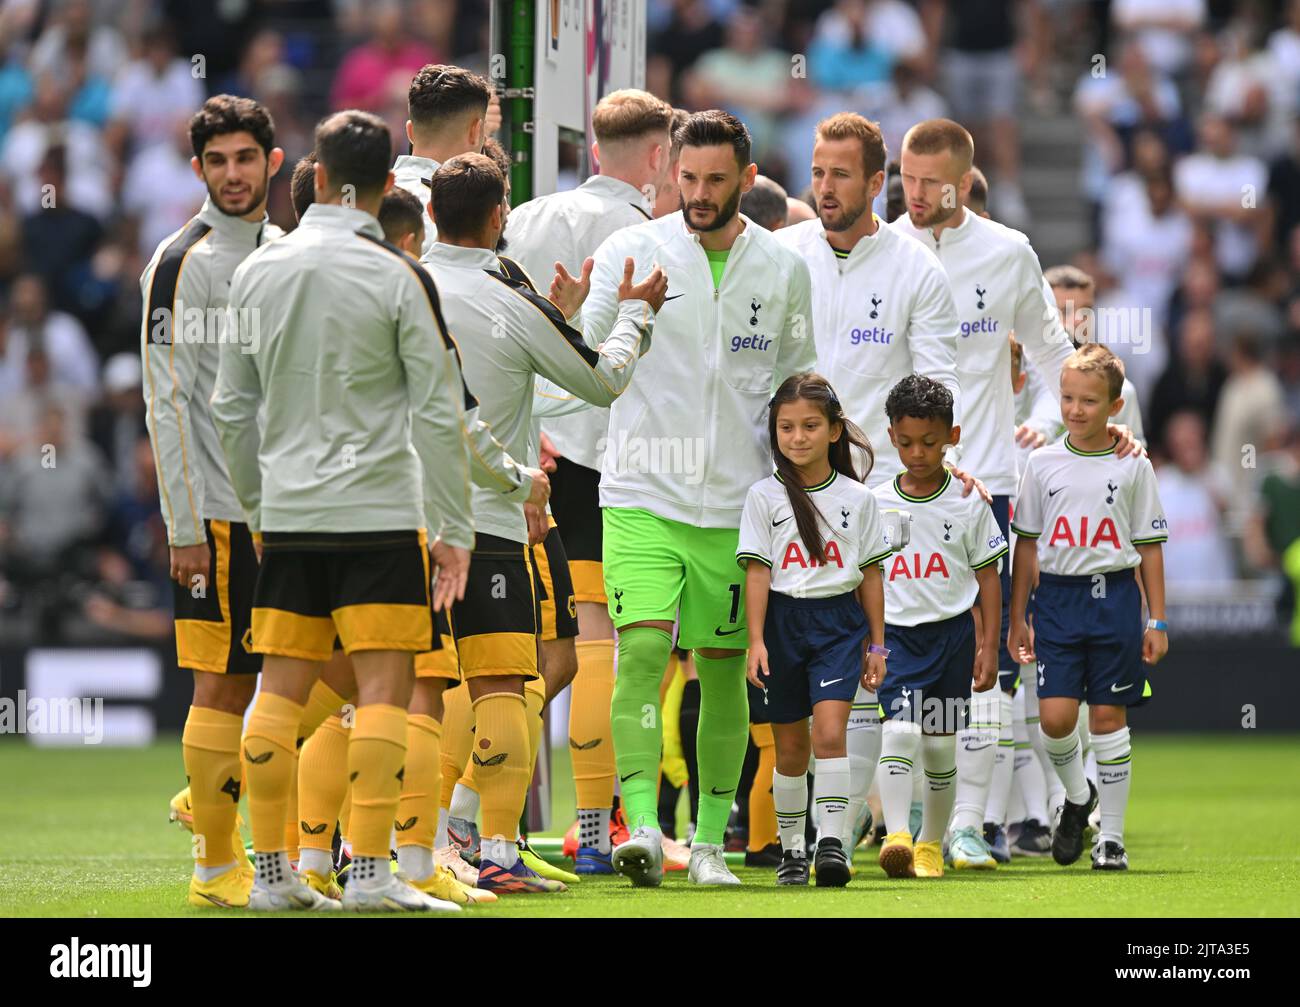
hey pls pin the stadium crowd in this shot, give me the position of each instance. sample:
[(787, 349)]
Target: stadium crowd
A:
[(1186, 110)]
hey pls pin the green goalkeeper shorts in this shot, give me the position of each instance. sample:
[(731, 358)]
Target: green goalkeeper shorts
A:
[(657, 569)]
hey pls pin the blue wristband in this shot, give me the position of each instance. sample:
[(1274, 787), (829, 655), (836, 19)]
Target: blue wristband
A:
[(1159, 624), (875, 648)]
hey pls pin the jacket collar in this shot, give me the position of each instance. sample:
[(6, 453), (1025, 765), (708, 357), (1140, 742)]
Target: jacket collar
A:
[(341, 218), (464, 258), (741, 239), (421, 167), (616, 188), (865, 245), (244, 231)]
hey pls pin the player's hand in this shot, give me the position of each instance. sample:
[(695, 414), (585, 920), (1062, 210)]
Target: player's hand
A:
[(1028, 437), (873, 672), (969, 482), (547, 452), (190, 561), (653, 289), (492, 120), (450, 571), (757, 665), (1155, 645), (541, 491), (986, 669), (538, 525), (1126, 444), (568, 292), (1020, 643)]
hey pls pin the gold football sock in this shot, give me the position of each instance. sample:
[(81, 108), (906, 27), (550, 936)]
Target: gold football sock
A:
[(457, 737), (210, 748), (321, 703), (376, 755), (269, 758), (500, 754), (591, 740), (322, 784), (762, 809), (417, 810), (534, 699)]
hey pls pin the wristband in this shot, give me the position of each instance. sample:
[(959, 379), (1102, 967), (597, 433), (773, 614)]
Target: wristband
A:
[(1159, 624), (875, 648)]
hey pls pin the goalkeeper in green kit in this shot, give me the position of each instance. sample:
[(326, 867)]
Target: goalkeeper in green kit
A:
[(685, 442)]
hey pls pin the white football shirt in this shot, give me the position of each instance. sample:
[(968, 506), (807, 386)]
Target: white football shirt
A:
[(933, 577), (1088, 510), (851, 532)]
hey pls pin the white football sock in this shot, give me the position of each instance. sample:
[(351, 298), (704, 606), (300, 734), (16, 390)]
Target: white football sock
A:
[(272, 868), (464, 803), (320, 861), (440, 837), (1114, 775), (1029, 781), (593, 828), (830, 795), (209, 873), (1000, 787), (900, 743), (790, 798), (1068, 763), (977, 747), (939, 754), (502, 852), (863, 744), (416, 862), (1055, 789)]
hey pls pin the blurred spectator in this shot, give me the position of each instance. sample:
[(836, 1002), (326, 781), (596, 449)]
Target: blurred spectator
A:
[(52, 502), (1193, 497), (72, 34), (133, 597), (32, 324), (15, 84), (901, 103), (1284, 47), (1223, 189), (1273, 534), (855, 44), (21, 412), (372, 72), (1251, 411), (1284, 191), (691, 29), (1115, 106), (58, 239), (150, 94), (747, 77), (1146, 245), (981, 65), (161, 189), (117, 423), (1193, 380), (1247, 89), (1165, 28), (45, 125)]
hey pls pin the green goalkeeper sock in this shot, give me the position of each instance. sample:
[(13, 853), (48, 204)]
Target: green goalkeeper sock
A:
[(634, 714), (721, 741)]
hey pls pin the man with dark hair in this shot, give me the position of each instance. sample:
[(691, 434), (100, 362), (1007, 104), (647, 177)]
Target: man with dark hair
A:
[(631, 148), (302, 184), (882, 310), (447, 109), (737, 329), (212, 556), (402, 218), (508, 335), (766, 204), (667, 199), (358, 490)]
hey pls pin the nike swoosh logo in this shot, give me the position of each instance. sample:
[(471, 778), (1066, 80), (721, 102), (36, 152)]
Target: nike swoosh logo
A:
[(1121, 688), (782, 521), (1052, 493), (673, 298), (832, 681), (624, 779), (719, 632), (977, 748), (718, 793)]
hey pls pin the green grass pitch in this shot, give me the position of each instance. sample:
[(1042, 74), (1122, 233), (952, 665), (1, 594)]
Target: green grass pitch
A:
[(1211, 832)]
